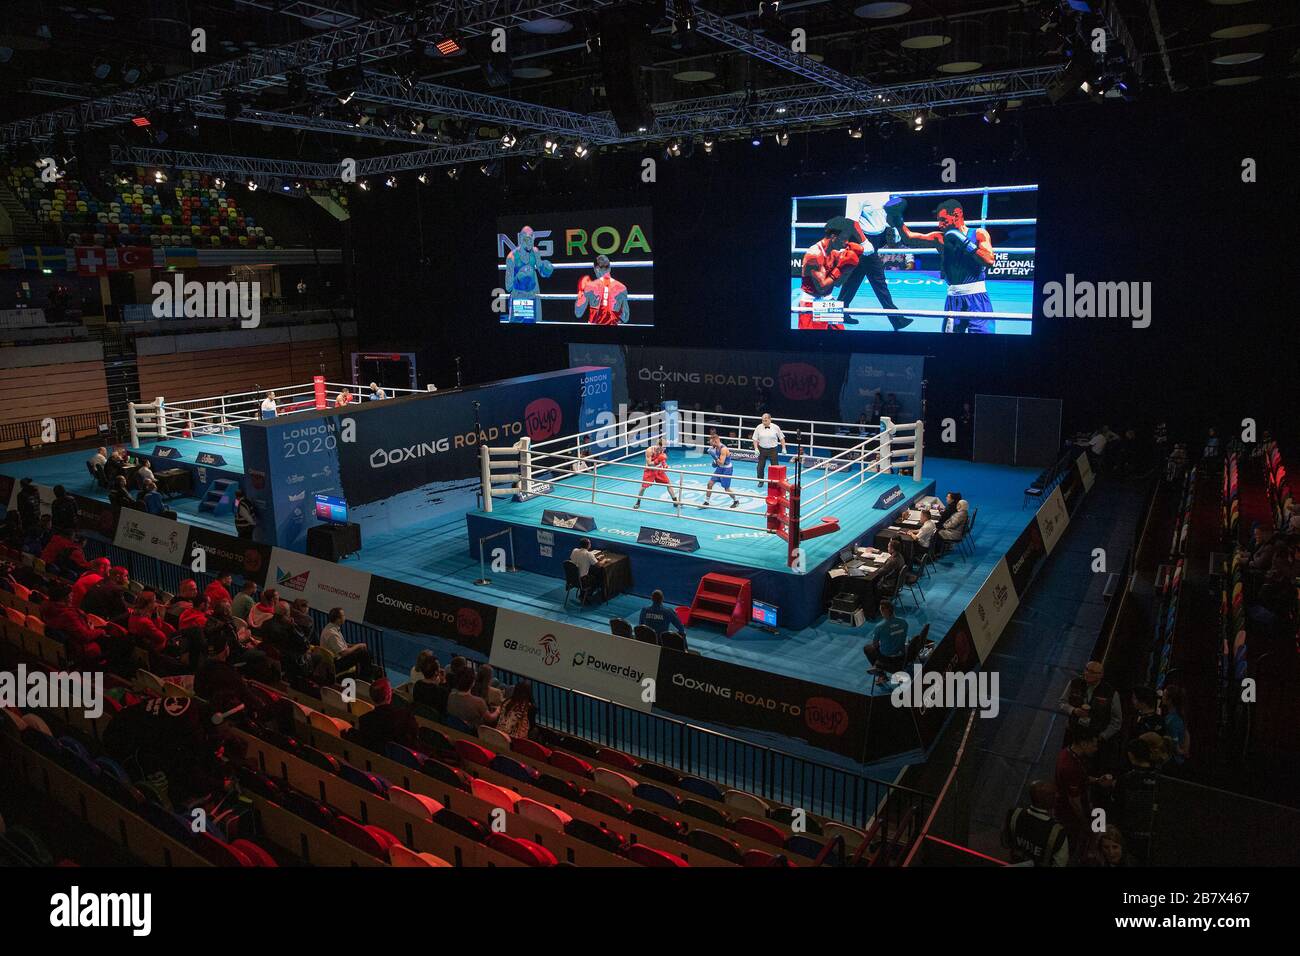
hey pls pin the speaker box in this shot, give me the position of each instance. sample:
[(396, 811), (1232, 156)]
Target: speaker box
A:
[(331, 542), (624, 50)]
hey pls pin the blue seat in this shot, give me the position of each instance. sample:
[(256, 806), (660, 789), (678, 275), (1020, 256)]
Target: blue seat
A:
[(404, 755), (804, 846), (657, 794), (455, 723), (514, 769), (701, 788), (364, 779)]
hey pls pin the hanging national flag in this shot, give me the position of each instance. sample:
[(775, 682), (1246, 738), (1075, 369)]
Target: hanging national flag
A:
[(135, 258), (45, 257), (94, 260), (182, 258)]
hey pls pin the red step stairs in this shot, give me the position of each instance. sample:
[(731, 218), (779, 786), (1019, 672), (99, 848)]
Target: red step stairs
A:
[(723, 600)]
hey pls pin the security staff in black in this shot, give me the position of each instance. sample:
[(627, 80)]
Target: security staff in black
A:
[(1090, 701), (1032, 834)]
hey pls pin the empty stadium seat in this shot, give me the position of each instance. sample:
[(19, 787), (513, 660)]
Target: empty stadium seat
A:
[(403, 857), (473, 753), (540, 813), (716, 845), (613, 780), (494, 738), (746, 803), (496, 795), (649, 856), (530, 748), (417, 804), (760, 830), (525, 851)]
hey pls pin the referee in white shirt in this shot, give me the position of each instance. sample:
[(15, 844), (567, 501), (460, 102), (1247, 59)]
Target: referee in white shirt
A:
[(766, 439)]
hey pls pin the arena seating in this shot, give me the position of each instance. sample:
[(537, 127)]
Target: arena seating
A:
[(190, 211)]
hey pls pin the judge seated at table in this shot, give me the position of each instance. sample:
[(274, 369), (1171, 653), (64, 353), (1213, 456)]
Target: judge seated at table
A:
[(585, 559), (895, 563), (924, 535), (954, 528), (949, 506), (888, 648)]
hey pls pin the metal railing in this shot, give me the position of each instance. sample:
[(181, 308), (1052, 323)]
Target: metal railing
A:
[(818, 788)]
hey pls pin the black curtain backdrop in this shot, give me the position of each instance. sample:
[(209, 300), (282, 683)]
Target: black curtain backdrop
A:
[(1149, 191)]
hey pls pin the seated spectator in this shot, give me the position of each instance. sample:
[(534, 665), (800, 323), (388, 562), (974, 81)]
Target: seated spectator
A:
[(263, 610), (36, 539), (1032, 835), (954, 529), (63, 555), (303, 623), (196, 615), (1261, 553), (346, 655), (219, 589), (888, 648), (144, 475), (85, 644), (115, 466), (463, 703), (388, 721), (949, 506), (431, 689), (216, 680), (150, 500), (659, 617), (241, 604), (111, 598), (146, 626), (518, 713), (120, 495), (421, 659), (1291, 518), (97, 462), (484, 688), (63, 511), (278, 632), (97, 571), (184, 599)]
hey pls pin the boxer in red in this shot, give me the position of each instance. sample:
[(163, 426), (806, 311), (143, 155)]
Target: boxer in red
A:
[(602, 299), (825, 265), (656, 457)]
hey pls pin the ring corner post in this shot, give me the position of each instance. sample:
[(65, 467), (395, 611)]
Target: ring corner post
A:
[(885, 453), (485, 477), (917, 450), (160, 420)]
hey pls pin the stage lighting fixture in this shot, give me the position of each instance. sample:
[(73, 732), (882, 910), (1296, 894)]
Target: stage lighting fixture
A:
[(363, 119), (707, 143), (447, 45), (159, 176), (783, 138), (780, 111), (219, 183), (674, 148), (453, 173), (855, 131), (417, 124), (101, 69), (918, 122), (551, 146), (391, 182), (754, 138), (297, 184), (140, 121), (885, 129), (683, 21), (363, 185), (423, 178), (581, 150), (490, 169), (252, 186), (130, 74), (769, 20), (508, 140), (993, 115)]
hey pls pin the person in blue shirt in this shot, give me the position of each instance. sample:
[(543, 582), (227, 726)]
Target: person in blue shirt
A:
[(658, 617), (151, 499), (888, 647)]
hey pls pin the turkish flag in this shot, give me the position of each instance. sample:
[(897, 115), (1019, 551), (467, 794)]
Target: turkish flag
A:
[(134, 257)]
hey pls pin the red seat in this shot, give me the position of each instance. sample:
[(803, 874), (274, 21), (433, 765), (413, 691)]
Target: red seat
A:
[(255, 853), (649, 856), (525, 851), (530, 748), (763, 858), (617, 758), (470, 752), (760, 830), (373, 840), (570, 764), (219, 853)]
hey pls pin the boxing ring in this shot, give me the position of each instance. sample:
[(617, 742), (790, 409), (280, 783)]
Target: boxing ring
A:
[(823, 496), (209, 427)]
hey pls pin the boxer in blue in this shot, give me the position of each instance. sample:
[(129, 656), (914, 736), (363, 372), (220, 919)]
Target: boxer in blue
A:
[(722, 470), (967, 254)]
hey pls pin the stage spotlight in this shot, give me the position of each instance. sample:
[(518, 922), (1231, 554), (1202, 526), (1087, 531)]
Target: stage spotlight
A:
[(423, 179), (993, 115), (101, 69), (780, 111), (363, 119), (674, 148), (252, 186), (918, 122), (581, 151), (551, 146), (490, 169), (417, 124), (508, 140), (754, 138), (219, 183), (159, 176), (363, 185), (707, 143), (683, 22), (769, 20), (885, 129), (855, 131), (453, 172), (391, 182), (140, 121), (783, 138), (297, 184), (130, 74), (447, 45)]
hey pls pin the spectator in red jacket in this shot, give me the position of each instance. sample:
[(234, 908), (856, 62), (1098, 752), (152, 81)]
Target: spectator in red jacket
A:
[(99, 569), (111, 598), (64, 552), (144, 625), (219, 590), (264, 609), (62, 620), (196, 615)]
